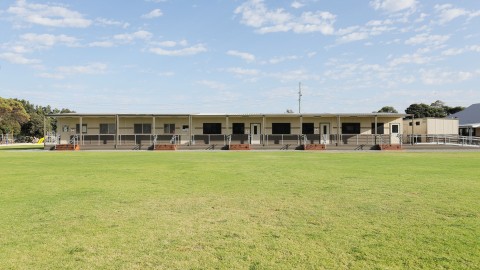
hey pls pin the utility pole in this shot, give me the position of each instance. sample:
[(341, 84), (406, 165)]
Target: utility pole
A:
[(299, 96)]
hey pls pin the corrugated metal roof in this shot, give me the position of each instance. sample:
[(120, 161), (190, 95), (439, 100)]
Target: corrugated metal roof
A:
[(469, 116), (232, 114)]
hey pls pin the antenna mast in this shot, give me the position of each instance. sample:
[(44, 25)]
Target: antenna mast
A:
[(299, 96)]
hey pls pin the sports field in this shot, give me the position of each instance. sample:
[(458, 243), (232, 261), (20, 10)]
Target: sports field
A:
[(239, 210)]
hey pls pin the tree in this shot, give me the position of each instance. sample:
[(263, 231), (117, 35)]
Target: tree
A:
[(12, 116), (38, 114), (387, 109), (436, 109), (452, 110), (421, 110)]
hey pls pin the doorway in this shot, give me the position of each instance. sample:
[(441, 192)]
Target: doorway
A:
[(394, 133), (255, 134), (324, 133)]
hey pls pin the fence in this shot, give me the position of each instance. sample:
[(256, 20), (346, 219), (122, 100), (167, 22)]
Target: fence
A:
[(443, 139)]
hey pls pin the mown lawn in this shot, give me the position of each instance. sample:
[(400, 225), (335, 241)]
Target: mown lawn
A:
[(240, 210)]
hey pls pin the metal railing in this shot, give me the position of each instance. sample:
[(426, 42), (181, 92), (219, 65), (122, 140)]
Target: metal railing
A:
[(443, 139), (208, 139), (265, 139)]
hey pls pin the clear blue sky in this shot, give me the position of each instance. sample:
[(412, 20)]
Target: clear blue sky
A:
[(219, 56)]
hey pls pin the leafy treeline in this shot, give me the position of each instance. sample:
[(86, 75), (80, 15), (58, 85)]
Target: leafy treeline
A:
[(21, 117), (436, 109)]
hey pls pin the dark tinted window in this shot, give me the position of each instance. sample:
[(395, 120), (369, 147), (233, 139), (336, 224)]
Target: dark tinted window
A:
[(238, 128), (212, 128), (307, 128), (280, 128), (350, 128)]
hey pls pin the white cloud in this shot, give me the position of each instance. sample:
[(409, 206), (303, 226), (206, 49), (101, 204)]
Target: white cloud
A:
[(129, 37), (280, 59), (102, 44), (243, 71), (196, 49), (357, 33), (212, 84), (458, 51), (254, 13), (167, 43), (153, 14), (297, 4), (355, 36), (440, 77), (245, 56), (410, 59), (48, 40), (392, 6), (447, 13), (107, 22), (16, 58), (48, 15), (94, 68), (427, 39)]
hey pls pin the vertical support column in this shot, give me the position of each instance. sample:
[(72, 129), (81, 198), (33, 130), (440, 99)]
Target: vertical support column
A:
[(117, 128), (226, 126), (264, 121), (190, 128), (413, 129), (153, 132), (376, 127), (301, 125), (80, 132), (338, 130)]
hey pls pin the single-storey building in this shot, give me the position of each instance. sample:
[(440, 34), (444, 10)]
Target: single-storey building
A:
[(430, 129), (469, 120), (119, 131)]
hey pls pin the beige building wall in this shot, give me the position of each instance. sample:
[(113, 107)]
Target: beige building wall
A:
[(431, 126), (442, 126)]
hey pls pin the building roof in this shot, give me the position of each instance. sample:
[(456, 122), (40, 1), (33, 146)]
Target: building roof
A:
[(399, 115), (468, 117)]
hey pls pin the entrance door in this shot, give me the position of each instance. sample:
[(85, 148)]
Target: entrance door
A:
[(324, 133), (255, 134), (394, 132)]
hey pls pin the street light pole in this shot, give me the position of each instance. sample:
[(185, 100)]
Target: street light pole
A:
[(299, 96)]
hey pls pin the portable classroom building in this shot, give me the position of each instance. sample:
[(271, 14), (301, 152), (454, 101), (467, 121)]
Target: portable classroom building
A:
[(114, 130)]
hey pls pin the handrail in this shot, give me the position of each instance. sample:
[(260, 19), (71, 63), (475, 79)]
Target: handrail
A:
[(443, 139)]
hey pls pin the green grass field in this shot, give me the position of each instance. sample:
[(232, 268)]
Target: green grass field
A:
[(239, 210)]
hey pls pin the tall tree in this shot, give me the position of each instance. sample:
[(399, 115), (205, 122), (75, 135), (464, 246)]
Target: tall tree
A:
[(436, 109), (12, 116), (387, 109)]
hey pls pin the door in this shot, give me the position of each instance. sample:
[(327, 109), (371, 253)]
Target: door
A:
[(255, 134), (394, 133), (324, 133)]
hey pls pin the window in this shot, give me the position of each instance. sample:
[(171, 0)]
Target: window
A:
[(350, 128), (417, 123), (143, 128), (169, 128), (238, 128), (410, 123), (212, 128), (107, 128), (395, 128), (280, 128), (185, 128), (380, 128), (84, 128), (307, 128)]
